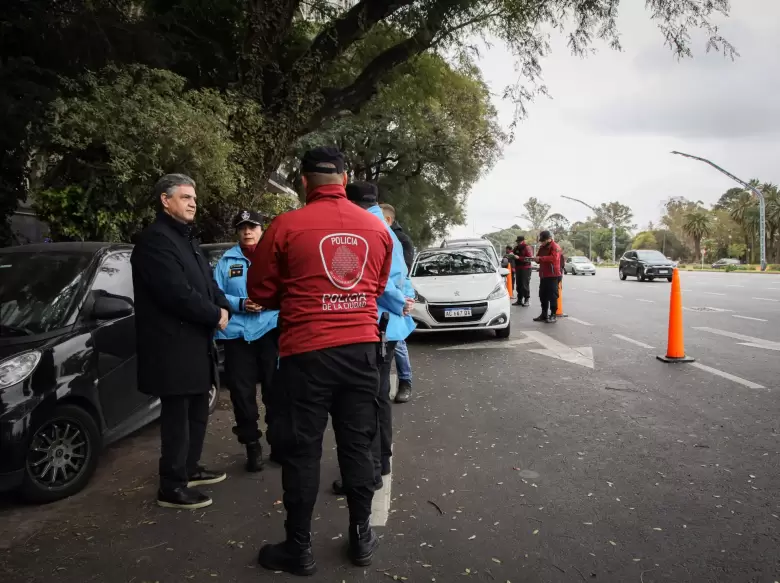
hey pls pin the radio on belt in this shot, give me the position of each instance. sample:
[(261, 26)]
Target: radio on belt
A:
[(384, 320)]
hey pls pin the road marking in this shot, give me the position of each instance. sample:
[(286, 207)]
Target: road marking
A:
[(726, 375), (748, 318), (590, 291), (766, 299), (583, 322), (580, 355), (615, 295), (735, 286), (713, 294), (743, 337), (752, 345), (632, 341), (646, 301), (380, 506), (490, 344)]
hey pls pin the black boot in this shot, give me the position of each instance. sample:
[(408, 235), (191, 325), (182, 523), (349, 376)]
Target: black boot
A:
[(291, 556), (254, 457), (404, 392), (362, 544), (552, 319), (541, 318), (185, 498)]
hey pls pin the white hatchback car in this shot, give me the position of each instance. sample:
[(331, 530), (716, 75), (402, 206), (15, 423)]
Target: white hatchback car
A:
[(579, 265), (460, 289)]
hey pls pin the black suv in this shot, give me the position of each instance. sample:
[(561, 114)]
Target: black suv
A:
[(67, 364), (645, 264)]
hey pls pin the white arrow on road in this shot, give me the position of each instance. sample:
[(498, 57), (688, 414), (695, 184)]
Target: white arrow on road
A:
[(581, 355), (746, 340), (490, 344)]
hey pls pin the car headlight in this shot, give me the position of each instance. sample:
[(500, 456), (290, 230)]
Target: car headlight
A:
[(419, 298), (498, 292), (16, 369)]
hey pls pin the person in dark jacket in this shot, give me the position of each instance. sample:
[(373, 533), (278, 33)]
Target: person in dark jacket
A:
[(323, 267), (178, 306), (403, 366), (523, 254), (549, 259), (251, 340)]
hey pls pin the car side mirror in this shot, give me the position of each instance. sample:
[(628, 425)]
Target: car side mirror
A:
[(111, 308), (503, 271)]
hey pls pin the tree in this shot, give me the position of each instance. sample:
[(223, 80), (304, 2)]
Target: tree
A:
[(294, 65), (105, 146), (668, 243), (559, 225), (424, 139), (645, 240), (536, 214), (614, 213), (507, 237), (698, 224)]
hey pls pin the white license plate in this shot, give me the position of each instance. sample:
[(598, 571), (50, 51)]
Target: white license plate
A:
[(663, 271), (457, 313)]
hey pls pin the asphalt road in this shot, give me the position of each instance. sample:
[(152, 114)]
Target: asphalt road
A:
[(567, 453)]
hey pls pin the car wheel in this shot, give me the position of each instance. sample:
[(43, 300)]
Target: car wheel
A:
[(622, 274), (594, 273), (650, 278), (504, 332), (640, 274), (213, 399), (62, 455), (669, 279)]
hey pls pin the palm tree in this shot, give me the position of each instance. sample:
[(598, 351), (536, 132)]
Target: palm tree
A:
[(697, 225)]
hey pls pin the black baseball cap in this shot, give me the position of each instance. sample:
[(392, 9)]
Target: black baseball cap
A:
[(323, 160), (362, 192), (520, 238), (545, 236), (248, 217)]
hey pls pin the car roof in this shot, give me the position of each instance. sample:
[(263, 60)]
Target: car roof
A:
[(452, 249), (470, 242), (208, 246), (91, 247)]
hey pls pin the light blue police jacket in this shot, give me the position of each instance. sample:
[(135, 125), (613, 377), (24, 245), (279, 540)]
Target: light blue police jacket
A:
[(399, 287), (230, 275)]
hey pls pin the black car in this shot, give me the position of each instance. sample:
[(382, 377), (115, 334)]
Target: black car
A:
[(725, 263), (645, 264), (67, 364)]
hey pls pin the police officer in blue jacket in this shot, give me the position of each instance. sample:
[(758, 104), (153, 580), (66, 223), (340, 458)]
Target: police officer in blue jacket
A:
[(251, 339), (397, 300)]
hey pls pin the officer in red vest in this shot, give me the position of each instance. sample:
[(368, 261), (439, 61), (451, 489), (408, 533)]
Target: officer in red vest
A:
[(549, 259)]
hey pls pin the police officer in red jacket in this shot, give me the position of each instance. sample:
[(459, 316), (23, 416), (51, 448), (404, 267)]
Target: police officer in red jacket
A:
[(549, 259), (323, 267)]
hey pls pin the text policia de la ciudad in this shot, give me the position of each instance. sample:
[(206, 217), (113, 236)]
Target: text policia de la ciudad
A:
[(344, 257)]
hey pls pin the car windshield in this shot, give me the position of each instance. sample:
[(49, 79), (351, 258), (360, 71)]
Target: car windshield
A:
[(651, 255), (214, 254), (460, 262), (580, 260), (37, 290)]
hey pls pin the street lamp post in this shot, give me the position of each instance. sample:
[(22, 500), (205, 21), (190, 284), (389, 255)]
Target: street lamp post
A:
[(597, 212), (754, 190)]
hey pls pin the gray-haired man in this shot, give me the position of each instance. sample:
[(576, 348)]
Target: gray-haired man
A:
[(178, 306)]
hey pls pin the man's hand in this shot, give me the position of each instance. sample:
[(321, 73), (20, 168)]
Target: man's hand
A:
[(224, 318), (408, 307), (251, 306)]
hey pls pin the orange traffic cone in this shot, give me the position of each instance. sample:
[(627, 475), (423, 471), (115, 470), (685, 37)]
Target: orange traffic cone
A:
[(509, 283), (559, 311), (675, 350)]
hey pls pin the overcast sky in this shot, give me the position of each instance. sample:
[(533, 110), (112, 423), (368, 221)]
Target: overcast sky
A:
[(613, 118)]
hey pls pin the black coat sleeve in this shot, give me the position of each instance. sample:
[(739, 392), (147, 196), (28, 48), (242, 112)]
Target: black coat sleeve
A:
[(408, 247), (157, 266)]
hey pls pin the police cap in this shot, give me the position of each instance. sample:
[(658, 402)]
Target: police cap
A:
[(362, 192), (323, 160), (248, 217)]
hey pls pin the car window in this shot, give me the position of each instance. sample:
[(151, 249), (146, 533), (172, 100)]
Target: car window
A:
[(651, 255), (460, 262), (214, 254), (115, 276), (38, 290), (579, 260)]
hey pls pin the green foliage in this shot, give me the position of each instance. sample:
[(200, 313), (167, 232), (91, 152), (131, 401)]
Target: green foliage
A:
[(645, 240), (737, 250), (730, 268), (107, 144), (614, 213), (536, 214), (508, 237)]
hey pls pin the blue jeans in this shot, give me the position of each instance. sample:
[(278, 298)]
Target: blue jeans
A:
[(402, 365)]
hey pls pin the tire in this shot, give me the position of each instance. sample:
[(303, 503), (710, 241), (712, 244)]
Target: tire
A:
[(669, 279), (593, 274), (54, 441), (640, 275), (213, 399), (504, 332), (650, 278), (622, 273)]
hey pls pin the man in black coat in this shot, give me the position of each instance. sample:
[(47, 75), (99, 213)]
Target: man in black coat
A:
[(178, 306), (398, 230)]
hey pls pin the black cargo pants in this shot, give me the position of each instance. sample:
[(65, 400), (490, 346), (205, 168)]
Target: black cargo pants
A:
[(548, 295), (183, 421), (523, 284), (382, 450), (342, 381), (246, 364)]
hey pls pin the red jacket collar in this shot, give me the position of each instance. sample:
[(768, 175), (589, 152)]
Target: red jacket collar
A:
[(327, 191)]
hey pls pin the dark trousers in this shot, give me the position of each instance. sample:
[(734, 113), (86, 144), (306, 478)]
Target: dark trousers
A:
[(246, 364), (382, 450), (183, 420), (523, 284), (548, 294), (342, 381)]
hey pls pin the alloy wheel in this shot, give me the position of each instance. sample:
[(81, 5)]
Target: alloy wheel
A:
[(58, 454)]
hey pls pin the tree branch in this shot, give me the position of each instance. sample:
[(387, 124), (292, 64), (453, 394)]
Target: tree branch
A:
[(269, 23)]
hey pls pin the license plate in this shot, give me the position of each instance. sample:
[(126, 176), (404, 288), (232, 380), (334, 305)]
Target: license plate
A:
[(663, 271), (457, 313)]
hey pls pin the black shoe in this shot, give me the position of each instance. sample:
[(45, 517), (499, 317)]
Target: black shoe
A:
[(182, 497), (204, 477), (404, 392), (362, 544), (527, 303), (541, 318), (552, 319), (518, 303), (254, 457), (386, 466), (291, 556)]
